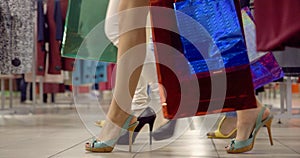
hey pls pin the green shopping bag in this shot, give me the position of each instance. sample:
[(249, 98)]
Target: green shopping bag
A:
[(84, 36)]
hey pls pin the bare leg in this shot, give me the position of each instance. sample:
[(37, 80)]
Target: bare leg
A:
[(246, 121), (127, 75)]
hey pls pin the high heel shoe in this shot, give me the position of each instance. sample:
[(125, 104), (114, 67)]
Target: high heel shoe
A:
[(247, 145), (166, 131), (217, 134), (108, 146), (148, 116)]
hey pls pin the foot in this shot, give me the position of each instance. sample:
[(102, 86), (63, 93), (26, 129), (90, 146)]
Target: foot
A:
[(246, 123), (166, 131), (226, 127), (112, 128)]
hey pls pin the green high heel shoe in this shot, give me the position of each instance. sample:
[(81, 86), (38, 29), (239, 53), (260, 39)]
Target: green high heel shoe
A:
[(247, 145), (108, 146)]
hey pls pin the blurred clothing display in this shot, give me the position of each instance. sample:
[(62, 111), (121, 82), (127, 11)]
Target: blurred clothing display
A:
[(16, 24), (46, 78), (50, 28), (89, 72), (51, 16), (108, 85), (22, 87), (53, 88)]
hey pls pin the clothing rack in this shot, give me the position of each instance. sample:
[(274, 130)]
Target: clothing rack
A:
[(286, 108), (3, 92)]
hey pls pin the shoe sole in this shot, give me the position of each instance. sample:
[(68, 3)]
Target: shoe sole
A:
[(102, 150)]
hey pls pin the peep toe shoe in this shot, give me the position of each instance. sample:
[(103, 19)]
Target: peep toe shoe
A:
[(108, 146)]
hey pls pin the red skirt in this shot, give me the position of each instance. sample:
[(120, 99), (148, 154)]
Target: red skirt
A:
[(277, 24)]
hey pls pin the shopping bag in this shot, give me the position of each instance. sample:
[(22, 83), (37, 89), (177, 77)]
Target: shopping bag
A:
[(264, 67), (84, 36), (205, 69), (265, 70), (218, 34)]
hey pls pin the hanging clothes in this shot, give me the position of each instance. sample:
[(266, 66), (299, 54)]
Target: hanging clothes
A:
[(89, 72), (16, 39), (46, 78), (53, 88), (277, 23), (101, 72), (41, 39), (109, 84), (50, 29)]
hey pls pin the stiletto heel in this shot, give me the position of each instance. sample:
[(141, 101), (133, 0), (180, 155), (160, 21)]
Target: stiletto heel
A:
[(268, 125), (147, 117), (108, 146), (247, 145), (131, 130), (130, 140), (151, 129)]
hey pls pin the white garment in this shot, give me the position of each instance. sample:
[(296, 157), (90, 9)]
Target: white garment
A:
[(148, 77), (112, 22)]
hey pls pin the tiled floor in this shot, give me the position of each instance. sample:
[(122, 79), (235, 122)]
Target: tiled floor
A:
[(60, 131)]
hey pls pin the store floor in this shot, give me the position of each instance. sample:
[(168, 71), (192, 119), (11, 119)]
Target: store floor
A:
[(62, 130)]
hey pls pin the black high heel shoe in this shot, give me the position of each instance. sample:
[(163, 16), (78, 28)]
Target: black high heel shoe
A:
[(148, 116)]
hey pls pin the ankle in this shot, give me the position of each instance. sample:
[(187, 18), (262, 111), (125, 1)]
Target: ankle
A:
[(247, 120), (121, 119), (228, 125)]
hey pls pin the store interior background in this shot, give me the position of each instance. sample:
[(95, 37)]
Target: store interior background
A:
[(60, 129)]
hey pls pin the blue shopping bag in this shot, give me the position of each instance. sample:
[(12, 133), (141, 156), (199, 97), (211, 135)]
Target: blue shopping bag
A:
[(211, 35)]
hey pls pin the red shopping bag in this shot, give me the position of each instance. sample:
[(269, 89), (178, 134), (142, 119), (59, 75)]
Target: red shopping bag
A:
[(189, 94)]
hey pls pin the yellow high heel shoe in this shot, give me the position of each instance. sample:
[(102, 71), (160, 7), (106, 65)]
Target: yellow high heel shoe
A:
[(218, 135), (100, 123), (108, 146), (247, 145)]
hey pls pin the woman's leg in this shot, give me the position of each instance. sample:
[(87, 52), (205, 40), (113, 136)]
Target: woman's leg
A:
[(141, 98), (246, 121), (126, 76)]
